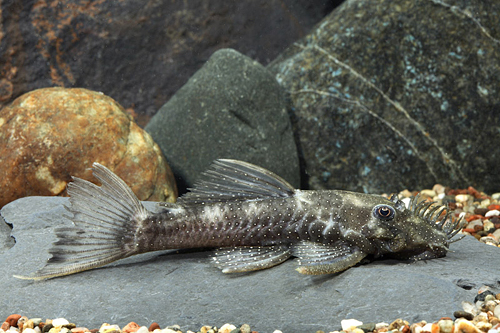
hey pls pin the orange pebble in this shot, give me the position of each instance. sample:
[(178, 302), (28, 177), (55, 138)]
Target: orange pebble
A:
[(435, 328), (154, 326), (474, 217), (457, 191), (131, 327), (494, 207), (5, 326), (465, 326), (12, 319), (472, 191)]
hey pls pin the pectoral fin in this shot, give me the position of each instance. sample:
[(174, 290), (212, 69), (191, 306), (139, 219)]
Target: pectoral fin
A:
[(317, 258), (250, 258)]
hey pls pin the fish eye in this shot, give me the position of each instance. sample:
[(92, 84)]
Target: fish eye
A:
[(383, 212)]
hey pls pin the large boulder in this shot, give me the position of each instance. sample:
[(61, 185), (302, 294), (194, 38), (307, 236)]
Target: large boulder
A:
[(140, 53), (231, 108), (51, 134), (183, 288), (397, 94)]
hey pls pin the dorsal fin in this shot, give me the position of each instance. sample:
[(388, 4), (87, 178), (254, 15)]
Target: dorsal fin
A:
[(232, 180)]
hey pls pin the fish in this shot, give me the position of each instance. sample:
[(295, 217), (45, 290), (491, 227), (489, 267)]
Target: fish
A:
[(252, 217)]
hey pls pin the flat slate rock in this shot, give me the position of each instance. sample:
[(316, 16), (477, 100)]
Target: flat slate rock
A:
[(396, 94), (231, 108), (184, 289)]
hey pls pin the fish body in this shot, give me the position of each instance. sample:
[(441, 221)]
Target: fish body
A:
[(253, 218)]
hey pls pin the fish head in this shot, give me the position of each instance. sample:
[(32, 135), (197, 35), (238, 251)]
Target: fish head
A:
[(423, 230)]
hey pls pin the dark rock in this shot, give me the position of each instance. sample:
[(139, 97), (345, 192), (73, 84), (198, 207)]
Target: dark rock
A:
[(51, 134), (399, 94), (138, 52), (482, 296), (181, 287), (481, 211), (231, 108), (463, 314)]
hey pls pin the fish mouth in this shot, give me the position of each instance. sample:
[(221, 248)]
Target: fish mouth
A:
[(438, 216)]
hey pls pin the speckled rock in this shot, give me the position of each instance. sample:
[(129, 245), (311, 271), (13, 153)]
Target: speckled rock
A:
[(396, 94), (51, 134), (231, 108)]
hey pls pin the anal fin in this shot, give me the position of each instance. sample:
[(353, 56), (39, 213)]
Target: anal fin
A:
[(318, 258), (250, 258)]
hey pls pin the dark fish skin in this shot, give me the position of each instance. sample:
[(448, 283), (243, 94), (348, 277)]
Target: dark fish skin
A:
[(254, 218)]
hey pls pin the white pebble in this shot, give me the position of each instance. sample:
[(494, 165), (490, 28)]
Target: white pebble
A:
[(167, 330), (488, 225), (496, 311), (485, 203), (469, 307), (277, 331), (381, 325), (496, 196), (59, 322), (348, 323), (493, 212), (429, 193), (29, 330), (438, 188), (462, 197), (227, 328), (105, 327), (488, 240), (427, 327), (496, 234), (142, 329)]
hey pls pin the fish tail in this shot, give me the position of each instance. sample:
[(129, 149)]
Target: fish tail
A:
[(105, 220)]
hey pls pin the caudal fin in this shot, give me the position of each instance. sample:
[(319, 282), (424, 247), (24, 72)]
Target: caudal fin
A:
[(105, 221)]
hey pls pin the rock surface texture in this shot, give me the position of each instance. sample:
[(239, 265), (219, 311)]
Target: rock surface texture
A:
[(231, 108), (184, 289), (398, 94), (138, 52), (51, 134)]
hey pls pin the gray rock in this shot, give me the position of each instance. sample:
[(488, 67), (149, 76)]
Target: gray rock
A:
[(182, 288), (398, 94), (231, 108)]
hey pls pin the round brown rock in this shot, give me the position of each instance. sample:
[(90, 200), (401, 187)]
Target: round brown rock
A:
[(51, 134)]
